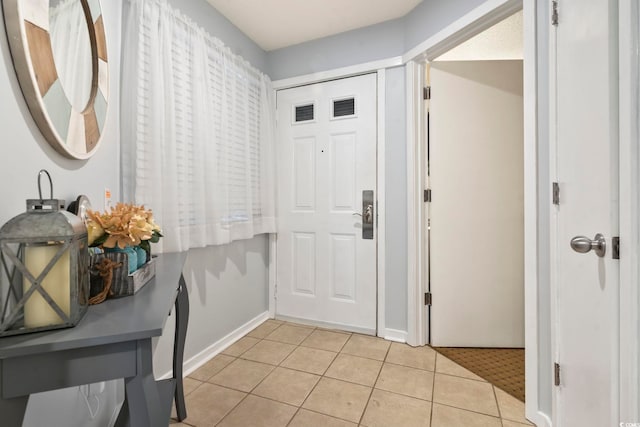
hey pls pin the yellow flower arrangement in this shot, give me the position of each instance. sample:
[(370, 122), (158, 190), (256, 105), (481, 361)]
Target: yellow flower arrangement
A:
[(125, 225)]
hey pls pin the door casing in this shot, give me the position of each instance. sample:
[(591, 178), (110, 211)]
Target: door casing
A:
[(629, 99), (476, 21)]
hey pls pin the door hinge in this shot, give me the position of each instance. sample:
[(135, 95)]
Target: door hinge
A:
[(554, 12), (615, 242), (556, 193), (556, 374), (427, 195), (428, 299), (426, 92)]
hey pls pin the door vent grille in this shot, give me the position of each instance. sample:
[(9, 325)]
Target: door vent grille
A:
[(344, 107), (304, 113)]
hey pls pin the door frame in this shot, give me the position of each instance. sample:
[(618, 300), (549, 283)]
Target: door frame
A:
[(629, 99), (474, 22), (378, 68)]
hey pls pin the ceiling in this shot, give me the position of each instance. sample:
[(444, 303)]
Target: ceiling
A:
[(273, 24)]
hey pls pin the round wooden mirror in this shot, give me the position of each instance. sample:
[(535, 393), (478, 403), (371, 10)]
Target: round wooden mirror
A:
[(60, 55)]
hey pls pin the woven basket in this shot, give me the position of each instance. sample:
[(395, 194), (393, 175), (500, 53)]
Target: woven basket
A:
[(122, 284)]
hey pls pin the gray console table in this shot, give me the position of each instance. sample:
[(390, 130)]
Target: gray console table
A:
[(112, 341)]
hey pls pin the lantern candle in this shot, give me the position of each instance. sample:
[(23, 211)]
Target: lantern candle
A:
[(37, 311)]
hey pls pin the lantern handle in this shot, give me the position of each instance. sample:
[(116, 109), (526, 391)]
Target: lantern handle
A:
[(50, 184)]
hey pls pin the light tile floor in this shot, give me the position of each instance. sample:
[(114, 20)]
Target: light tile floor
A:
[(288, 375)]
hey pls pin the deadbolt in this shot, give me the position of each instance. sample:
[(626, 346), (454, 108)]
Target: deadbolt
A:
[(583, 244)]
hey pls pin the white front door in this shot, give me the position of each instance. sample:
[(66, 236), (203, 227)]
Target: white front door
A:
[(585, 158), (476, 247), (326, 251)]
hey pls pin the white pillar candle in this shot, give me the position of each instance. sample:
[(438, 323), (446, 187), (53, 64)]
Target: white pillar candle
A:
[(37, 311)]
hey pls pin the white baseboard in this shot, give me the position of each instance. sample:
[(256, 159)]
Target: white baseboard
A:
[(395, 335), (327, 325), (217, 347)]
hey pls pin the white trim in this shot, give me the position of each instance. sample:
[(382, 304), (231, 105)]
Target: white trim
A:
[(530, 66), (474, 22), (273, 274), (395, 335), (217, 347), (381, 197), (338, 73), (327, 325), (553, 213), (479, 19), (416, 321), (629, 212)]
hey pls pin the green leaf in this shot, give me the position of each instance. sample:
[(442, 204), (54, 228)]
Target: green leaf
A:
[(145, 245), (100, 240), (155, 237)]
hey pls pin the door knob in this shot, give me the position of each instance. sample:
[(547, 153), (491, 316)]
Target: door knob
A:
[(367, 215), (583, 244)]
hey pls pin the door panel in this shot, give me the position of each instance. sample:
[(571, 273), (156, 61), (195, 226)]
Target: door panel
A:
[(326, 271), (477, 211), (587, 151)]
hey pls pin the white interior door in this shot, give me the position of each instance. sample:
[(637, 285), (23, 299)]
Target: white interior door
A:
[(586, 157), (326, 269), (477, 211)]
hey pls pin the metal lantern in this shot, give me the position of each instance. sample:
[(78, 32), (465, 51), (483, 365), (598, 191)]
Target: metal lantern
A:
[(44, 282)]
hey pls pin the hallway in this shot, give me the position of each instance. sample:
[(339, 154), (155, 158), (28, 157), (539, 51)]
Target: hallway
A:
[(284, 374)]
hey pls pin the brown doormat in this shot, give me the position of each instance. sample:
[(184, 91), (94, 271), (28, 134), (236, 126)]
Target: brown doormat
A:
[(502, 367)]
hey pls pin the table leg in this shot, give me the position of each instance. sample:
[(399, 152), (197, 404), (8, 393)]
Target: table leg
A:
[(12, 411), (142, 407), (182, 321)]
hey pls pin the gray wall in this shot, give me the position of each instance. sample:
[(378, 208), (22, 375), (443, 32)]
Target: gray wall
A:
[(25, 152), (217, 25), (379, 41), (375, 42), (228, 285), (396, 200), (431, 16)]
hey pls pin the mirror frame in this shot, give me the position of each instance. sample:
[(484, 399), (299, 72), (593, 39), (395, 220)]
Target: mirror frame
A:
[(27, 26)]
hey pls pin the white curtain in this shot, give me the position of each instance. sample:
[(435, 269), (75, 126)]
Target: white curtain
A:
[(71, 48), (198, 131)]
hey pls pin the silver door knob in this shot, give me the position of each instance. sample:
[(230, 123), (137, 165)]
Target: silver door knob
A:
[(583, 244)]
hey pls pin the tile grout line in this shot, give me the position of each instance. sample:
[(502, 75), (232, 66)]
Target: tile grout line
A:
[(335, 355), (247, 393), (495, 397), (433, 387), (312, 388), (373, 387)]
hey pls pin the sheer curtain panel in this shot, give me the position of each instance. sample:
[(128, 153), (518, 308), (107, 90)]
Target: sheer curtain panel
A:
[(197, 131)]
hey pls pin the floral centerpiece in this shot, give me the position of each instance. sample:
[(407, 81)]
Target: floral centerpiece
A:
[(125, 233), (126, 225)]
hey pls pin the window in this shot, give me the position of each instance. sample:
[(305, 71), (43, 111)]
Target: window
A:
[(197, 131)]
